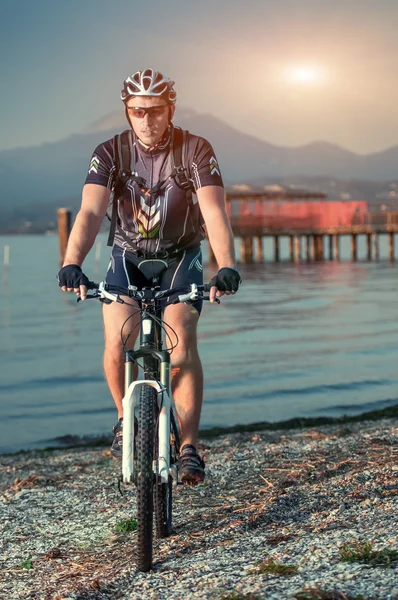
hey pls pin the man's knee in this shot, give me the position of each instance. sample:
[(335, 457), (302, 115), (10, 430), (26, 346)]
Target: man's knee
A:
[(185, 353), (114, 351)]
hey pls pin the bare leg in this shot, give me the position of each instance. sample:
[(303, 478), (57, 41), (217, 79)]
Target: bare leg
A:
[(114, 316), (187, 374)]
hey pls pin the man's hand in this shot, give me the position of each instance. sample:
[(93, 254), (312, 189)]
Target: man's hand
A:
[(72, 279), (226, 281)]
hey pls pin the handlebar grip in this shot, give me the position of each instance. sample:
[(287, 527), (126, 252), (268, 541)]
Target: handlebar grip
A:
[(206, 287), (92, 285)]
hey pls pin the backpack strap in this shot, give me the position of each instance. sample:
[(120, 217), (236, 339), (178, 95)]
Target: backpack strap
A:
[(123, 172), (179, 170)]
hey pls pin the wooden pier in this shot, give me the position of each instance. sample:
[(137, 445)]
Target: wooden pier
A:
[(312, 225)]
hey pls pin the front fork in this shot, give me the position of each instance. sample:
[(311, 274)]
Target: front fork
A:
[(132, 398)]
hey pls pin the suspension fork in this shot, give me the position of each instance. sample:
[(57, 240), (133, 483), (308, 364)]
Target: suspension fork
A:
[(156, 360), (129, 362)]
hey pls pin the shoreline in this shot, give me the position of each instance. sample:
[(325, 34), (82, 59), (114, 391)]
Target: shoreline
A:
[(269, 522), (74, 441)]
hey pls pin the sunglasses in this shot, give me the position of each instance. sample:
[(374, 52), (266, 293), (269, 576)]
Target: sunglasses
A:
[(153, 111)]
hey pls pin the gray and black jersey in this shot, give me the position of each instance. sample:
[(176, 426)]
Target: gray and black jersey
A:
[(166, 222)]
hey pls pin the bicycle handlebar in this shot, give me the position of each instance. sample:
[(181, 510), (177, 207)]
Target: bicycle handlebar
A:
[(112, 293)]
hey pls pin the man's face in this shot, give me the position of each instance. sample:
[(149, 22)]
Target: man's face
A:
[(151, 126)]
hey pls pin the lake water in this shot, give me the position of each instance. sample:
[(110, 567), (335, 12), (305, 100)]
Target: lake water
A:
[(298, 340)]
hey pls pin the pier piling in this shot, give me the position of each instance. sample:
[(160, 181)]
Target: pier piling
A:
[(391, 246), (291, 248), (260, 254), (318, 247), (336, 246), (375, 246), (64, 227), (369, 246), (330, 246), (297, 248), (276, 247), (246, 250), (308, 248), (354, 247)]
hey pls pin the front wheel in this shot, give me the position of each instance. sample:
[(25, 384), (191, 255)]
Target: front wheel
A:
[(163, 494), (145, 477)]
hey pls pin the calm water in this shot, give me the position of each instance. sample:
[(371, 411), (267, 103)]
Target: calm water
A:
[(298, 340)]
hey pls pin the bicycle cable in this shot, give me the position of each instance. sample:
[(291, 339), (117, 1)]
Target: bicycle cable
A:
[(163, 326), (124, 341)]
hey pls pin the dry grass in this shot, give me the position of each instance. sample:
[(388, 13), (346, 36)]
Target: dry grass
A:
[(238, 596), (320, 594), (269, 565)]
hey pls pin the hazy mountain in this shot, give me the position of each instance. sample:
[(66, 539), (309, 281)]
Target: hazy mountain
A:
[(53, 173), (253, 157), (244, 156)]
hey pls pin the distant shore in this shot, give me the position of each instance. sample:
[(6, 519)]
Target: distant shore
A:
[(75, 441)]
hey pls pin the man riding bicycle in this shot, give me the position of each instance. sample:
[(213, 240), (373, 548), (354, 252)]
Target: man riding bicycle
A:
[(156, 219)]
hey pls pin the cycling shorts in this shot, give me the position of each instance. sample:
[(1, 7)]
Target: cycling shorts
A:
[(180, 270)]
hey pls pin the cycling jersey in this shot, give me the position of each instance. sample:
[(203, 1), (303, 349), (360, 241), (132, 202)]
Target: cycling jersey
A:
[(165, 222)]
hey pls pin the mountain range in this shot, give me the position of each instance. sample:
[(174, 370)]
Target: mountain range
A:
[(41, 178)]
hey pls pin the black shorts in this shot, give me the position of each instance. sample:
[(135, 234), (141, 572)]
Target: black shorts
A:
[(177, 271)]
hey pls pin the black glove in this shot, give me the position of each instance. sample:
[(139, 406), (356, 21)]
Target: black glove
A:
[(227, 280), (71, 276)]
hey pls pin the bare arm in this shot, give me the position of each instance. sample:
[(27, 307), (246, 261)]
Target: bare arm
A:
[(88, 221), (212, 205), (95, 201)]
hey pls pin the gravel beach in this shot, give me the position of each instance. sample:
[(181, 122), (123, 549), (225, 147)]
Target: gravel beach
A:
[(305, 513)]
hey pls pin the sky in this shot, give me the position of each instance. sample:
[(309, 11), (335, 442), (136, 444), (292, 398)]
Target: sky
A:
[(287, 71)]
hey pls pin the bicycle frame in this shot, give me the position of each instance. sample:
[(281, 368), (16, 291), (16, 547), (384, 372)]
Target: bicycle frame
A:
[(150, 337), (156, 374)]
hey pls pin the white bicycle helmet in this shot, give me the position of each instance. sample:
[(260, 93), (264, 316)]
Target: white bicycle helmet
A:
[(149, 83)]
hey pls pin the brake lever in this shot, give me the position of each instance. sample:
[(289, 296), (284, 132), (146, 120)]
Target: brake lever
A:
[(215, 299), (88, 297)]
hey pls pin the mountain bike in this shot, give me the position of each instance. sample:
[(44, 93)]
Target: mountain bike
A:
[(151, 434)]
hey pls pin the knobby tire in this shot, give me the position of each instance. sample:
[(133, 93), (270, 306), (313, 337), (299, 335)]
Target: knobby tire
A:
[(145, 477)]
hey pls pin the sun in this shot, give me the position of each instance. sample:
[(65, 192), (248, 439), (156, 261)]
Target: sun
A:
[(304, 75)]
